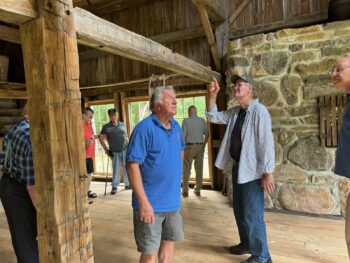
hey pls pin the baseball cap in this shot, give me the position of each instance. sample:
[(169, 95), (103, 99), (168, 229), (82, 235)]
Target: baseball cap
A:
[(244, 78)]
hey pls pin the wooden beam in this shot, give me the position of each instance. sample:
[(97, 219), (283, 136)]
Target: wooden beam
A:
[(52, 77), (17, 11), (101, 34), (210, 36), (11, 86), (13, 94), (178, 82), (9, 34), (216, 9), (238, 11)]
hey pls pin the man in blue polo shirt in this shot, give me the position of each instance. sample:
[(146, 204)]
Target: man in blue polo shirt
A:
[(340, 75), (154, 165)]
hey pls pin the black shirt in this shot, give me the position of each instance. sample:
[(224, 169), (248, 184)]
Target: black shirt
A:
[(236, 136)]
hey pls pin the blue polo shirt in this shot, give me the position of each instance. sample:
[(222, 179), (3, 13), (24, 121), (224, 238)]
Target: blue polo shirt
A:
[(342, 164), (158, 151)]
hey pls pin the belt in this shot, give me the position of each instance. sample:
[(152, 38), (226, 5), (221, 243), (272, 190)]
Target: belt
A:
[(193, 143)]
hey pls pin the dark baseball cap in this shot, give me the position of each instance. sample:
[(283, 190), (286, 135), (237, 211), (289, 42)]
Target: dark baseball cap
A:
[(111, 111), (244, 78)]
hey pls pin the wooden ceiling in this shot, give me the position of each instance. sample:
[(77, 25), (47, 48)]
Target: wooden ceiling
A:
[(103, 7)]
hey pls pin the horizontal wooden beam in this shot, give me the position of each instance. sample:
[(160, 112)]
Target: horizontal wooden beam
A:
[(12, 86), (17, 11), (13, 94), (101, 34), (178, 82), (9, 34), (217, 9)]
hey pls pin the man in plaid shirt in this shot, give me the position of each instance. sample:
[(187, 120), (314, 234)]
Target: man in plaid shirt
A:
[(17, 190)]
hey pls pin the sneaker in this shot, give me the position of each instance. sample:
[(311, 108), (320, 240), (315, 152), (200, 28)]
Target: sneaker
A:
[(197, 193), (256, 260), (91, 194), (185, 194), (239, 249), (128, 187), (90, 201), (114, 191)]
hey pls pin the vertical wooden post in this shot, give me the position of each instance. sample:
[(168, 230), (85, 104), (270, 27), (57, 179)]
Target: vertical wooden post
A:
[(118, 104), (52, 76)]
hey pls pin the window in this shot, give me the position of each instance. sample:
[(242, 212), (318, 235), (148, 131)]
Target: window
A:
[(331, 114)]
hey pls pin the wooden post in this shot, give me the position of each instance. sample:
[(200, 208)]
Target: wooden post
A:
[(52, 77), (118, 104)]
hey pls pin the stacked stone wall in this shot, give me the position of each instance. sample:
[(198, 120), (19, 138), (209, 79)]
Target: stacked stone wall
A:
[(291, 68)]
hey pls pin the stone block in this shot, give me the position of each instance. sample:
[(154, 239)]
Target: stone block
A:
[(319, 67), (320, 179), (278, 153), (342, 32), (310, 120), (296, 47), (308, 154), (317, 45), (303, 56), (308, 199), (314, 91), (269, 63), (285, 122), (268, 201), (335, 51), (285, 136), (290, 88), (311, 37), (261, 48), (287, 173), (240, 61), (252, 40), (235, 44), (291, 32), (266, 92), (336, 25), (276, 113), (303, 110)]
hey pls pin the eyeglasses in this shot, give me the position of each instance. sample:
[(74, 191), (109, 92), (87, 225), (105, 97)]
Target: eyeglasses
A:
[(337, 70), (239, 84)]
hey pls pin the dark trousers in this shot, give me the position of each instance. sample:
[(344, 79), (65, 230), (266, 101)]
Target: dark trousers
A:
[(248, 207), (21, 217)]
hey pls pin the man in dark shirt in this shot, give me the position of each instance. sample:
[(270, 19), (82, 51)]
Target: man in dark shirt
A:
[(17, 190), (117, 139), (340, 75)]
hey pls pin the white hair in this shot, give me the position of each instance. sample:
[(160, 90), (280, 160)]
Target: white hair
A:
[(156, 96)]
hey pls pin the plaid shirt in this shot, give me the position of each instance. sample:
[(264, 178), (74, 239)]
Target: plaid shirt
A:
[(22, 158)]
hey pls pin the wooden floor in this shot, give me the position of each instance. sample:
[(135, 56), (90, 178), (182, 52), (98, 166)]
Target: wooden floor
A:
[(209, 229)]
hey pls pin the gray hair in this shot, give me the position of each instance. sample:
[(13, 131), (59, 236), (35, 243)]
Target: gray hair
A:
[(156, 96)]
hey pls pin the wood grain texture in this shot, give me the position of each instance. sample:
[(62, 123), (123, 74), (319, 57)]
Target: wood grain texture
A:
[(52, 76)]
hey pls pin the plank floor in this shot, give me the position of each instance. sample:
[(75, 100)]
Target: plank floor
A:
[(209, 230)]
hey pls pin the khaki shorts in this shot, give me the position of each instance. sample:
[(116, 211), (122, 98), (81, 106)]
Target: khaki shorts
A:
[(166, 226)]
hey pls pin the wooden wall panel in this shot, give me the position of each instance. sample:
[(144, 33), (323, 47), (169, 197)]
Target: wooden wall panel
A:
[(281, 13), (151, 18)]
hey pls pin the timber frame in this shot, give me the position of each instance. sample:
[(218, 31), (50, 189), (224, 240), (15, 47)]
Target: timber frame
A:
[(49, 33)]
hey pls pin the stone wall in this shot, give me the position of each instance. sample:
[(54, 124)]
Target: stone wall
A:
[(291, 68)]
